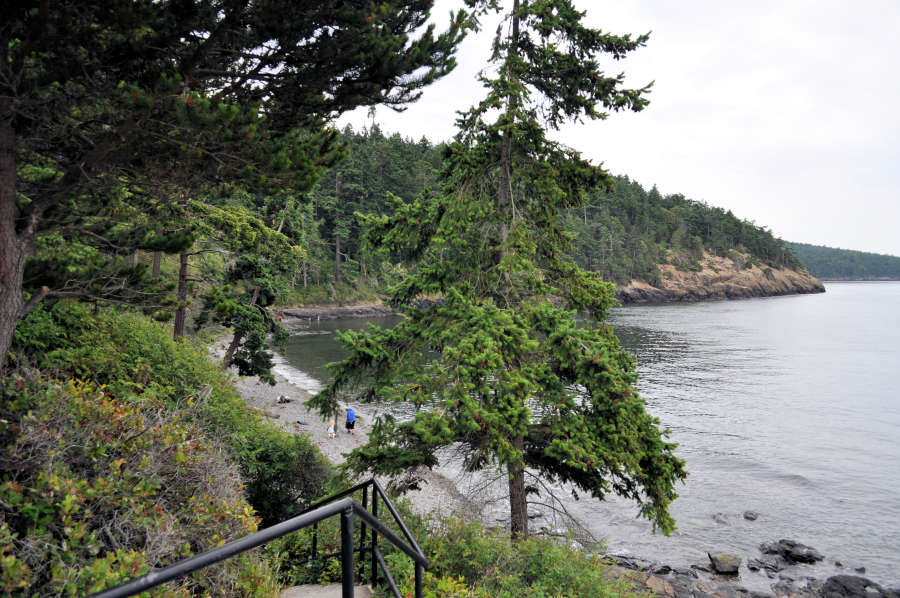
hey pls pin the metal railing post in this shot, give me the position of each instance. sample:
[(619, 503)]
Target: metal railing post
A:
[(418, 580), (340, 504), (315, 543), (362, 536), (347, 553), (374, 539)]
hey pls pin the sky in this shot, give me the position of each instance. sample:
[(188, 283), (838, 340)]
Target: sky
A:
[(787, 113)]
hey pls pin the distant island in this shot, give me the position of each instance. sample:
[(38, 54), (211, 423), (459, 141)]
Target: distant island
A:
[(829, 263)]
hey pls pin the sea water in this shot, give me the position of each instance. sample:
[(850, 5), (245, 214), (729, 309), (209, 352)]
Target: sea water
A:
[(786, 406)]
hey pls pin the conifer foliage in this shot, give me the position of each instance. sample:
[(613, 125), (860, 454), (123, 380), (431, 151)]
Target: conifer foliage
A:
[(500, 367), (165, 98)]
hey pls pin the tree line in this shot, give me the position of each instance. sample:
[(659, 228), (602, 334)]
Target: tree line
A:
[(623, 233), (844, 264)]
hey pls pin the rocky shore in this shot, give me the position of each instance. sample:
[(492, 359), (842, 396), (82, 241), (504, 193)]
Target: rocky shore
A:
[(781, 569), (780, 564), (437, 496), (719, 278), (309, 314)]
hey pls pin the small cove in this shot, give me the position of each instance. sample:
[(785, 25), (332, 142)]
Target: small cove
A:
[(786, 406)]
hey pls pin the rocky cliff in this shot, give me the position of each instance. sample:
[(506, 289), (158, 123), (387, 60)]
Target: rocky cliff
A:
[(719, 278)]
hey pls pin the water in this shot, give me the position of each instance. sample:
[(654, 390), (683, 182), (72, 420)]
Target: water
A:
[(788, 406)]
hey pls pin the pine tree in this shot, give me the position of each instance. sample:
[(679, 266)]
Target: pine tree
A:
[(94, 94), (519, 383)]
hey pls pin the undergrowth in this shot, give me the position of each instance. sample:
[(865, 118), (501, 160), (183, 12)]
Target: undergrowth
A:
[(126, 450)]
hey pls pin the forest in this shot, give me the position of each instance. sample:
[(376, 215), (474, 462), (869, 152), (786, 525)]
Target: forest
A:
[(829, 263), (623, 233)]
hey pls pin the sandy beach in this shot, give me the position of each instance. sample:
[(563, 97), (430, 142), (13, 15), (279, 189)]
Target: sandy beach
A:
[(438, 495)]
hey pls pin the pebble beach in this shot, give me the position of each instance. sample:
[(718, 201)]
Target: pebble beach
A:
[(437, 495)]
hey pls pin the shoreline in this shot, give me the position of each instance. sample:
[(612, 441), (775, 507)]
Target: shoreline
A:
[(440, 495), (437, 495)]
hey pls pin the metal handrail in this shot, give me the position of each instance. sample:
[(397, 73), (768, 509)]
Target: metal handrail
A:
[(391, 508), (338, 504)]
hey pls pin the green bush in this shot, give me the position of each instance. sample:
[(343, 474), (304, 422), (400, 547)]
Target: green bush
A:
[(137, 358), (469, 561), (95, 490)]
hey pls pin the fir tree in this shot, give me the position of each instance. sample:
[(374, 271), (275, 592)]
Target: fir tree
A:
[(94, 94), (518, 382)]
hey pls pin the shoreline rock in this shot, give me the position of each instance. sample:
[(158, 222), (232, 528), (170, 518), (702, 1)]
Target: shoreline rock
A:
[(719, 278), (337, 312), (784, 576), (669, 582)]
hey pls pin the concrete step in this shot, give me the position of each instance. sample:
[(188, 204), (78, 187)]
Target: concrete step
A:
[(320, 591)]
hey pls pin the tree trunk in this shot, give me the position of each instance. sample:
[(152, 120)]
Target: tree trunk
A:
[(337, 260), (13, 250), (157, 262), (504, 202), (182, 295), (235, 343), (238, 335), (503, 189), (518, 507)]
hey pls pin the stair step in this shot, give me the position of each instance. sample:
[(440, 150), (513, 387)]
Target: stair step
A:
[(320, 591)]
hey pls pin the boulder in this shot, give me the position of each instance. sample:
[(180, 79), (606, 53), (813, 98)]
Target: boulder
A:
[(724, 562), (661, 570), (751, 515), (729, 591), (660, 586), (792, 551), (767, 564), (851, 586)]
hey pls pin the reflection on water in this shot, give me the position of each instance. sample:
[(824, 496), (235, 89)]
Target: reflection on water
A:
[(785, 406)]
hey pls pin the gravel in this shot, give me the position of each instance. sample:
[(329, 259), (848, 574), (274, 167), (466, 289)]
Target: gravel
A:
[(438, 495)]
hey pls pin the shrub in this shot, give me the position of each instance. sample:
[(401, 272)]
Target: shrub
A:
[(470, 561), (137, 358), (95, 490)]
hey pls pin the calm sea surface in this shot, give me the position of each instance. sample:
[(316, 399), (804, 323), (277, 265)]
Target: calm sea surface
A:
[(787, 406)]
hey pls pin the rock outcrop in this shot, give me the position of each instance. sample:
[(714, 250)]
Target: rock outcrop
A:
[(719, 278), (792, 551)]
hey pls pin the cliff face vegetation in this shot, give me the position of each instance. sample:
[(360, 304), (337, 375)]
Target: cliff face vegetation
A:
[(719, 278)]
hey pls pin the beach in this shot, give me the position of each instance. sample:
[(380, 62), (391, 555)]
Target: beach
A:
[(437, 495)]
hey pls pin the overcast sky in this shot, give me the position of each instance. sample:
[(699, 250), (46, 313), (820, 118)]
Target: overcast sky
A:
[(786, 113)]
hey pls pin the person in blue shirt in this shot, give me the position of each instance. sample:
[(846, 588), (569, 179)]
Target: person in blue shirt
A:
[(351, 420)]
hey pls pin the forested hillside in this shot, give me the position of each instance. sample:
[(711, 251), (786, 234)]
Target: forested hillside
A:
[(624, 234), (375, 167), (846, 264)]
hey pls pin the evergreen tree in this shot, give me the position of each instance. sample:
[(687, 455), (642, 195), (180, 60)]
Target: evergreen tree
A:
[(375, 167), (254, 276), (518, 383), (94, 93)]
